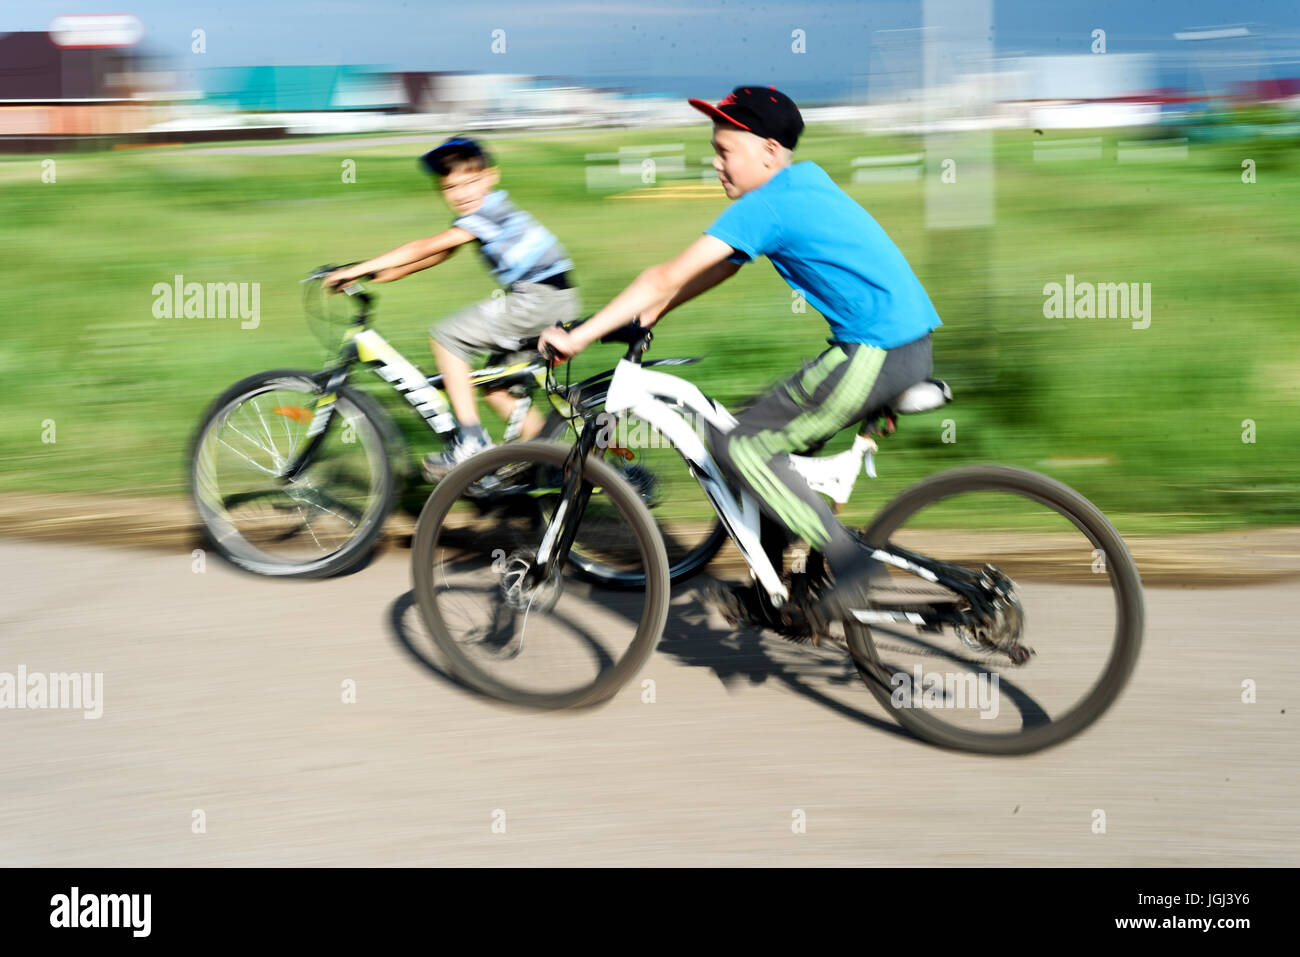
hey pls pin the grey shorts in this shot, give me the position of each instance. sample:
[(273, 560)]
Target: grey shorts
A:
[(499, 323)]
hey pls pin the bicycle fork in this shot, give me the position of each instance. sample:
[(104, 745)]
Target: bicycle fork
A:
[(563, 525), (320, 420)]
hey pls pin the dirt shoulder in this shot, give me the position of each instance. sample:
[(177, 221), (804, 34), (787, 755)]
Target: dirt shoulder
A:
[(1252, 556)]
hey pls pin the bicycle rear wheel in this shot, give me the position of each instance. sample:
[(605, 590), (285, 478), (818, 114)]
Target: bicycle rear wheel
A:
[(564, 643), (1073, 625)]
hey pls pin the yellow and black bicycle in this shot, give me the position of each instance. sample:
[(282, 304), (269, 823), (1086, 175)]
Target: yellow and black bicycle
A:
[(294, 472)]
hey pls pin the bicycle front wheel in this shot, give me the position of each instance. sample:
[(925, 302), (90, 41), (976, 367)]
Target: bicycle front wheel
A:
[(324, 521), (561, 643), (1056, 652)]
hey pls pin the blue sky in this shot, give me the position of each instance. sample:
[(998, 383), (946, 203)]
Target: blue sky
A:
[(668, 44)]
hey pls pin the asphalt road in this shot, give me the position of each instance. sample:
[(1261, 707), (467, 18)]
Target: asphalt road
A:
[(222, 694)]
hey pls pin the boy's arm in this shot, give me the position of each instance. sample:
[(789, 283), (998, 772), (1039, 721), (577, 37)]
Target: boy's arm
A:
[(715, 274), (404, 255), (388, 275), (659, 284)]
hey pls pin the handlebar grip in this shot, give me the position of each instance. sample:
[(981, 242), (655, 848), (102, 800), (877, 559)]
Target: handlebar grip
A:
[(321, 272)]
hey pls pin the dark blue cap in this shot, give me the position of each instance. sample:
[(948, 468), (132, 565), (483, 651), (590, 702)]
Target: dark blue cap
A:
[(458, 147)]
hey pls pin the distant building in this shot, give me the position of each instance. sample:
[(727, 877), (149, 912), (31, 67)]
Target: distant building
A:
[(32, 67), (49, 90), (302, 89)]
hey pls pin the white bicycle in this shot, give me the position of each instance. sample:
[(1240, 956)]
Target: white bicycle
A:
[(981, 561)]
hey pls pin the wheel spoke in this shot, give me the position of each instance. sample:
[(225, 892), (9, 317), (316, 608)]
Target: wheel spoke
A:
[(313, 497), (263, 468), (253, 442), (307, 521), (271, 449)]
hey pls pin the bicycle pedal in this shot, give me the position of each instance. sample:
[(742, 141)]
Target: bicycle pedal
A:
[(484, 487)]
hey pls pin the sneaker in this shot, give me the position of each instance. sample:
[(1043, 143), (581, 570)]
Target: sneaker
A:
[(728, 600), (466, 446), (850, 593), (743, 604)]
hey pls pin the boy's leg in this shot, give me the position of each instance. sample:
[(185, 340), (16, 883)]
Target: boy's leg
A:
[(457, 342), (834, 391), (498, 323), (529, 308), (504, 403), (455, 379)]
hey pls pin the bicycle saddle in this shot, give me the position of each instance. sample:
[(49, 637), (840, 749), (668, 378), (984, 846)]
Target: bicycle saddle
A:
[(925, 396)]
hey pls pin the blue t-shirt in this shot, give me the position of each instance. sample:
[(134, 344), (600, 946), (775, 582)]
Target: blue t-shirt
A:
[(827, 246)]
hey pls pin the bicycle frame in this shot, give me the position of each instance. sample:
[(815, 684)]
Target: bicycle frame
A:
[(655, 398), (643, 393), (364, 344), (423, 393)]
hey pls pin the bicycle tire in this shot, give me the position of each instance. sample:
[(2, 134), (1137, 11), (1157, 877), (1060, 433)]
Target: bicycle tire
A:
[(221, 536), (1125, 580), (641, 526)]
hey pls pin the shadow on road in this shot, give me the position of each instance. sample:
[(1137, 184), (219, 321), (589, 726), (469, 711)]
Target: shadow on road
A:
[(405, 625), (748, 654), (825, 676)]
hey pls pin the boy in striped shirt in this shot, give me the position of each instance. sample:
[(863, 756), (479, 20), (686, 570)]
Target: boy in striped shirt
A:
[(525, 258)]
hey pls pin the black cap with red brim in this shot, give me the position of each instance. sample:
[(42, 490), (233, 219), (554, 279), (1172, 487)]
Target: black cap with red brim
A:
[(762, 110)]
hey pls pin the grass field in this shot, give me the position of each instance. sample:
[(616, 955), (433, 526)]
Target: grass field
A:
[(1148, 423)]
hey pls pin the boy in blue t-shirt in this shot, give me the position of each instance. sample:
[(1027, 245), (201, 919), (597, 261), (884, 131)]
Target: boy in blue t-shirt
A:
[(828, 247)]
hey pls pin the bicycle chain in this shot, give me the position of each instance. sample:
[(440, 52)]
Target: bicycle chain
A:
[(969, 652), (885, 646), (879, 646), (892, 589)]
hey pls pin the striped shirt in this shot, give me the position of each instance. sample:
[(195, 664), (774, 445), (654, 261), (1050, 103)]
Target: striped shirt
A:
[(517, 247)]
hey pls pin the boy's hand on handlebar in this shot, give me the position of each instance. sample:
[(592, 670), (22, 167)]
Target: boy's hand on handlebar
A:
[(558, 345), (340, 276)]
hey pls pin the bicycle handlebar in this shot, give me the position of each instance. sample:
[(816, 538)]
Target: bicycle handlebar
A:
[(320, 272), (629, 335), (318, 315)]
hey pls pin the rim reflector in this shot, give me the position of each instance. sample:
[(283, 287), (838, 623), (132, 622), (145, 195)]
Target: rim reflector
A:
[(295, 412)]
